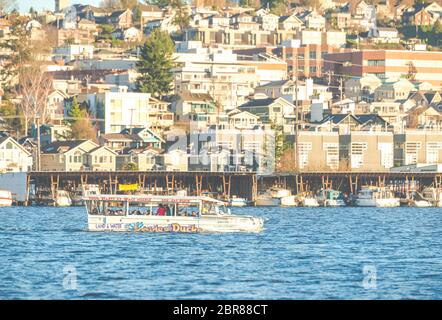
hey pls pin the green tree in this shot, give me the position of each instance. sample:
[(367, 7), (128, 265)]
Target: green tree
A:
[(12, 116), (156, 63), (18, 44), (75, 111)]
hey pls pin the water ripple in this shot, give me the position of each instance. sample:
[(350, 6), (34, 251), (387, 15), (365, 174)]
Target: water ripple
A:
[(46, 253)]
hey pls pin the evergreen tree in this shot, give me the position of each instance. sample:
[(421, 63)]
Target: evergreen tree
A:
[(156, 63), (75, 112)]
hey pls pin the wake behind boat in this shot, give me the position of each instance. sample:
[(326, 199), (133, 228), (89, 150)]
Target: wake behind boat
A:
[(165, 214)]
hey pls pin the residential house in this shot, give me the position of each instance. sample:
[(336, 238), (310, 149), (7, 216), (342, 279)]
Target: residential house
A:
[(269, 21), (394, 90), (100, 159), (121, 19), (242, 119), (176, 160), (149, 12), (341, 123), (384, 35), (269, 110), (291, 22), (149, 138), (362, 89), (391, 111), (305, 91), (424, 117), (55, 106), (13, 156), (344, 106), (149, 159), (312, 20), (119, 142), (74, 155)]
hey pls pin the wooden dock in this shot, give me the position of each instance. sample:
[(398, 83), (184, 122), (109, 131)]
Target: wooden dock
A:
[(223, 184), (226, 184)]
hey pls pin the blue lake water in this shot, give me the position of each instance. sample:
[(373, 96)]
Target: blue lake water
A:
[(343, 253)]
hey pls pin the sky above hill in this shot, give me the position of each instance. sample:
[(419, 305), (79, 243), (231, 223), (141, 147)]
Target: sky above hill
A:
[(24, 5)]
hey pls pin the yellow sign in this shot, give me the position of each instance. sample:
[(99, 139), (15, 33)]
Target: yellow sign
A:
[(128, 187)]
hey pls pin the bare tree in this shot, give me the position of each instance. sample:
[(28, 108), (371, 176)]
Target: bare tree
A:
[(33, 90)]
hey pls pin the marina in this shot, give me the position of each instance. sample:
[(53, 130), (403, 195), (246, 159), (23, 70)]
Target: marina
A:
[(239, 189)]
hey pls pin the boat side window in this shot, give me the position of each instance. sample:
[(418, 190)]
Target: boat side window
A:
[(208, 209), (114, 208), (139, 209)]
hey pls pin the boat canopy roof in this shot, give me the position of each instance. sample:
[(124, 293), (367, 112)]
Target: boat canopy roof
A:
[(151, 198)]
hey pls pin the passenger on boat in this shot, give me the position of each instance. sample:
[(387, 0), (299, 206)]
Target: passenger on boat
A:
[(167, 208), (161, 210)]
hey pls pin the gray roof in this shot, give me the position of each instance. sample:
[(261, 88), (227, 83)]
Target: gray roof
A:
[(258, 103), (55, 146)]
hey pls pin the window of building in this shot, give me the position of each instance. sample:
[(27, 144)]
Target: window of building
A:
[(375, 63)]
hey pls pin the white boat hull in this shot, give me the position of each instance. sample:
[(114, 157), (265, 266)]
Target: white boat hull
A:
[(289, 201), (160, 224), (267, 202), (5, 202), (380, 203), (5, 198), (238, 202), (63, 202), (309, 202), (421, 204), (334, 203)]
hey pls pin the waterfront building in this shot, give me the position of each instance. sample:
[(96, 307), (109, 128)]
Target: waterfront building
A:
[(418, 147), (367, 150), (318, 151)]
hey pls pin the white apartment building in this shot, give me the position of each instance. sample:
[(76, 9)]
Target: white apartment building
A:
[(116, 111), (73, 52), (228, 78), (215, 72)]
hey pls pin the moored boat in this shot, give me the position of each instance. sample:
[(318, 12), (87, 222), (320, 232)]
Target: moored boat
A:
[(165, 214), (382, 197), (433, 195), (289, 201), (63, 199), (238, 202), (330, 198), (306, 199), (5, 198)]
